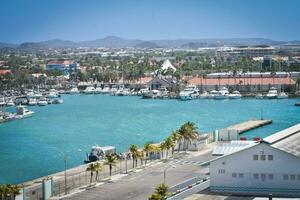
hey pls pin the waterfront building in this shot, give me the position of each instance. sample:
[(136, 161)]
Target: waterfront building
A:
[(62, 65), (270, 166), (248, 51)]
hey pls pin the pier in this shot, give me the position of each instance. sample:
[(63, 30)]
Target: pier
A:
[(249, 125)]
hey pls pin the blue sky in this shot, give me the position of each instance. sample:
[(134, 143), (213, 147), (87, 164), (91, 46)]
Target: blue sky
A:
[(78, 20)]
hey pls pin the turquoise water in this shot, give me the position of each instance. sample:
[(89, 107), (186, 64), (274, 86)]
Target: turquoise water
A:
[(35, 147)]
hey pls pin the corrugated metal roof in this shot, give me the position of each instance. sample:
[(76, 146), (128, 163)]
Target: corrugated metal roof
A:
[(284, 134), (233, 146)]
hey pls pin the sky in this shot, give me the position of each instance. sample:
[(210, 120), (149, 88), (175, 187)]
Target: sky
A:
[(81, 20)]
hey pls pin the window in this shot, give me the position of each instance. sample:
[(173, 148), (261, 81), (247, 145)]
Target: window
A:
[(270, 157), (233, 175), (255, 176), (263, 177), (241, 175), (221, 171), (285, 177), (271, 176), (263, 157), (255, 157), (293, 177)]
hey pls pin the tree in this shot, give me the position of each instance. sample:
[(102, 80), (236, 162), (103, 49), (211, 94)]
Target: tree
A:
[(188, 133), (92, 169), (98, 168), (8, 191), (169, 143), (134, 152), (161, 192), (147, 150), (175, 136), (111, 160)]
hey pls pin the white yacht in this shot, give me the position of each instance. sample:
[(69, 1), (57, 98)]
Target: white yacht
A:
[(32, 102), (272, 94), (23, 112), (10, 102), (142, 91), (38, 95), (222, 94), (113, 89), (2, 101), (282, 95), (89, 90), (43, 102), (189, 93), (74, 90), (235, 95), (29, 94), (106, 90), (98, 90), (52, 94)]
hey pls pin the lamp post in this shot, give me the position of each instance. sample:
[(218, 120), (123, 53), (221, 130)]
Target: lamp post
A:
[(165, 171)]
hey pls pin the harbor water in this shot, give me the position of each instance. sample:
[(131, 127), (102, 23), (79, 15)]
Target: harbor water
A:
[(34, 147)]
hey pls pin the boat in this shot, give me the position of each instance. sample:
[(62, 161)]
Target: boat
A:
[(297, 104), (212, 94), (52, 94), (98, 90), (189, 93), (123, 91), (282, 95), (235, 95), (74, 90), (204, 95), (222, 94), (23, 112), (259, 96), (142, 91), (272, 94), (98, 153), (57, 101), (152, 94), (113, 90), (106, 90), (10, 102), (38, 95), (32, 102), (43, 102), (29, 94), (89, 90)]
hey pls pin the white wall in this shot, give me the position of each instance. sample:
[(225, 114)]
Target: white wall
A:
[(243, 163)]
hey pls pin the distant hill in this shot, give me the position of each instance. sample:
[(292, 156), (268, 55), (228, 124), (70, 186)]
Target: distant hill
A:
[(147, 45), (2, 45), (117, 42)]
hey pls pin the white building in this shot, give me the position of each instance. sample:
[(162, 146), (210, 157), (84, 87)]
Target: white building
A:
[(271, 166)]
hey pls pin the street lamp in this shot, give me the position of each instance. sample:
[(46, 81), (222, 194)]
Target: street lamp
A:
[(65, 162), (165, 171)]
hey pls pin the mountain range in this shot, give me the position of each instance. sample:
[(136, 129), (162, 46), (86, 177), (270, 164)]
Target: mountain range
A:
[(117, 42)]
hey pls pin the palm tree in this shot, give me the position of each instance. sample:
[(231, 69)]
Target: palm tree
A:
[(141, 156), (161, 192), (188, 133), (147, 150), (175, 137), (98, 168), (134, 152), (162, 147), (111, 160), (10, 191), (169, 143), (91, 168)]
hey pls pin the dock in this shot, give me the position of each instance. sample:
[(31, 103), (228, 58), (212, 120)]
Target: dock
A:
[(249, 125)]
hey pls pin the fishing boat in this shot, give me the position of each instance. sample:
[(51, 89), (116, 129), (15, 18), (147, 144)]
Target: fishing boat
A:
[(99, 153), (23, 112), (74, 90), (43, 102), (272, 94), (189, 93), (89, 90), (32, 102), (222, 94), (235, 95)]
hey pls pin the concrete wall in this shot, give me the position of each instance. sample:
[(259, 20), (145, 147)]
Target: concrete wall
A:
[(245, 168)]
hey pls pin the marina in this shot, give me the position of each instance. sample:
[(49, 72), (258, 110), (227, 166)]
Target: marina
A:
[(86, 120)]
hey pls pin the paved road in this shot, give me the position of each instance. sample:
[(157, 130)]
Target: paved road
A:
[(139, 185)]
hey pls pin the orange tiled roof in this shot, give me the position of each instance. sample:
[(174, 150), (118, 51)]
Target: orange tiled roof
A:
[(241, 81)]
